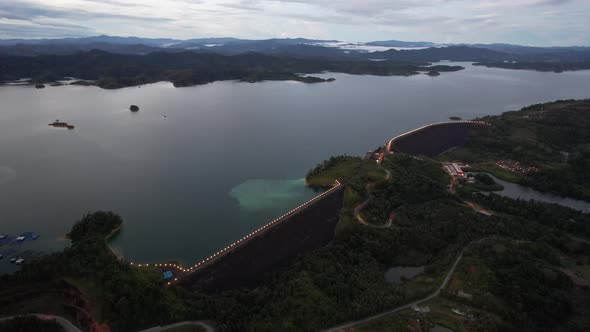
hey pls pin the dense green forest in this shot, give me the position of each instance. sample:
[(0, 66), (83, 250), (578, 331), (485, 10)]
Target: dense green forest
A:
[(111, 71), (519, 268), (554, 66), (30, 324), (128, 298), (554, 137)]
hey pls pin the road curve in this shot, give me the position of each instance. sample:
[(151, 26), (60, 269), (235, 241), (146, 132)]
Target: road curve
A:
[(358, 208), (66, 324), (202, 324), (406, 306)]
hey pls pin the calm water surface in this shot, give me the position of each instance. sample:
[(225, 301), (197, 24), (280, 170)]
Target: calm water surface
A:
[(514, 190), (198, 167), (395, 275)]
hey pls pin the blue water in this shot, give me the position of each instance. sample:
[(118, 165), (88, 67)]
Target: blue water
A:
[(227, 156)]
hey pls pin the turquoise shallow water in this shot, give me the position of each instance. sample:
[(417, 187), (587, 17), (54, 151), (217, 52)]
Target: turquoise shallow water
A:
[(199, 167), (260, 194)]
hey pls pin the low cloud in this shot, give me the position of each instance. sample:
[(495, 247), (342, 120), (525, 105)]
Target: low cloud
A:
[(546, 22)]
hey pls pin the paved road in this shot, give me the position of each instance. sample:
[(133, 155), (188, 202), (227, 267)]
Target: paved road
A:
[(202, 324), (66, 324), (406, 306), (358, 208)]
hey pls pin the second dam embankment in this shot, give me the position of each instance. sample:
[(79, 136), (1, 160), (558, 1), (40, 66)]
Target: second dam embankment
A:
[(433, 140)]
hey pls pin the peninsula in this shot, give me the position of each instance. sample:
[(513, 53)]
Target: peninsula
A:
[(485, 261)]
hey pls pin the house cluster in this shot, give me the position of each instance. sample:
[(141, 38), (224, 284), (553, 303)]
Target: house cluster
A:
[(515, 166), (455, 169), (377, 156)]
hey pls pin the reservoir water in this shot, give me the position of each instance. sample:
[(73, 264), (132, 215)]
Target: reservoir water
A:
[(516, 191), (397, 274), (198, 167)]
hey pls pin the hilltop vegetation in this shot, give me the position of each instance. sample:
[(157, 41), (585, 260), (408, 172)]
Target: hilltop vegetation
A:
[(30, 324), (126, 298), (553, 137), (112, 71), (345, 280), (525, 268), (554, 66)]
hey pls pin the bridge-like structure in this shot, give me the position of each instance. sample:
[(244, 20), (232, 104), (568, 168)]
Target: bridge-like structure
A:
[(391, 141), (186, 271), (183, 272)]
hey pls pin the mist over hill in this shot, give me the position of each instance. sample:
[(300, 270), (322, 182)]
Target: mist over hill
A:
[(397, 57)]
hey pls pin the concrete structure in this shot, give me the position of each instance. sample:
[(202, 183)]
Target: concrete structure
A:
[(391, 141), (464, 295), (458, 169), (182, 271), (167, 275), (454, 169)]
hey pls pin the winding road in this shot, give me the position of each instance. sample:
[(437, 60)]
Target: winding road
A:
[(204, 325), (66, 324), (405, 306), (370, 185)]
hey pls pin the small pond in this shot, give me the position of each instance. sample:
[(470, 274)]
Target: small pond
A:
[(394, 275)]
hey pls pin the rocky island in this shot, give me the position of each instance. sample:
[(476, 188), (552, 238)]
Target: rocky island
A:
[(61, 124), (134, 108)]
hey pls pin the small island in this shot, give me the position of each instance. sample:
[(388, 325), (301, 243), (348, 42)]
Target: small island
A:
[(39, 86), (433, 73), (455, 118), (60, 124), (134, 108)]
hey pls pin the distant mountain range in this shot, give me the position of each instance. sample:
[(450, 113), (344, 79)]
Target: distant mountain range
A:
[(402, 52), (229, 46)]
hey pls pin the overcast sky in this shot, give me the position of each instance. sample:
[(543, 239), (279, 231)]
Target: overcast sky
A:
[(530, 22)]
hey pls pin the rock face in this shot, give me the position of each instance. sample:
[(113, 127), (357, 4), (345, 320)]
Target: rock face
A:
[(134, 108)]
